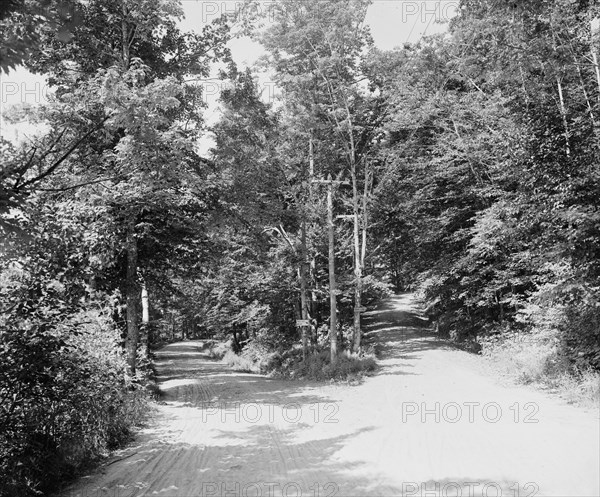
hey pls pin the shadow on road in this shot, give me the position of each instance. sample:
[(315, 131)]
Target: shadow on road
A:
[(398, 329), (187, 377), (198, 449)]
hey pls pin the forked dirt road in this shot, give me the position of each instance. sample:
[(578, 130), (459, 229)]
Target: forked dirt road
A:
[(431, 422)]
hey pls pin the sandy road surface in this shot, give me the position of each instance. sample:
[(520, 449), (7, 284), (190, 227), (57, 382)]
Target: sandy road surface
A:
[(431, 422)]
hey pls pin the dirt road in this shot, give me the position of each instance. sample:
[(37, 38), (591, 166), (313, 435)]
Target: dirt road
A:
[(431, 422)]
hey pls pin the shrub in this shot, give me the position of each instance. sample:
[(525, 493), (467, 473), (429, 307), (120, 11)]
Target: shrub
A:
[(257, 357), (580, 387), (65, 399), (240, 362), (317, 366), (528, 357), (538, 356), (218, 350)]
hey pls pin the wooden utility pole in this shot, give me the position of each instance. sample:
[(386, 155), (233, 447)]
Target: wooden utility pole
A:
[(332, 297), (332, 284)]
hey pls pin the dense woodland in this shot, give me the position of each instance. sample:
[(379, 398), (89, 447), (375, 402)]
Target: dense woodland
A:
[(464, 167)]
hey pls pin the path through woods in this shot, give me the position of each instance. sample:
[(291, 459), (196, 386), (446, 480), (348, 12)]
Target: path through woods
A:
[(431, 422)]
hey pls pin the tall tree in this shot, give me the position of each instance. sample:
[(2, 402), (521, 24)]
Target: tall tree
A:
[(123, 115), (317, 52)]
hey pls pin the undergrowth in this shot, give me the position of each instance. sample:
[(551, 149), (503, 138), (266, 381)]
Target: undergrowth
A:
[(536, 358), (291, 365), (317, 366), (65, 401)]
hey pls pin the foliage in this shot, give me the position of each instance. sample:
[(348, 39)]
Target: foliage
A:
[(472, 158), (22, 22), (258, 358), (318, 366), (65, 397), (485, 199), (110, 197)]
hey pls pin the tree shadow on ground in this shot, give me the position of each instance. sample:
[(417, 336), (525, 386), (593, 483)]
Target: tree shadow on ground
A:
[(265, 460), (398, 329), (185, 359), (188, 378)]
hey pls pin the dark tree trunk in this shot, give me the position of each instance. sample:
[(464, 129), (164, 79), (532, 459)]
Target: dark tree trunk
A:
[(133, 293), (236, 343)]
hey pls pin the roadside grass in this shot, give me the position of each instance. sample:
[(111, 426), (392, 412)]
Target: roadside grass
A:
[(241, 362), (582, 388), (534, 359), (348, 367), (290, 364), (218, 349)]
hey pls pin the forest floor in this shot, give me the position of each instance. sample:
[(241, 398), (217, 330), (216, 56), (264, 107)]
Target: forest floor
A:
[(433, 421)]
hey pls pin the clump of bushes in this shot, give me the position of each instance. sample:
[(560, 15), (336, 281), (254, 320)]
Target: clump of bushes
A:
[(218, 349), (257, 358), (65, 399), (527, 357), (553, 348), (318, 366)]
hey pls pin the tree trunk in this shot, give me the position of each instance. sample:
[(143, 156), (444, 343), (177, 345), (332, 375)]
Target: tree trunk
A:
[(303, 298), (145, 305), (585, 94), (237, 348), (595, 40), (133, 292), (312, 299), (561, 101), (357, 261), (145, 322), (125, 41), (500, 308), (332, 289), (563, 113), (360, 257)]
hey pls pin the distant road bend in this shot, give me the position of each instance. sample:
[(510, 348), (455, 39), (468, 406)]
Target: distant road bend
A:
[(430, 423)]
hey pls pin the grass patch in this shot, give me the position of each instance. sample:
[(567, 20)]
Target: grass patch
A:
[(317, 366), (534, 358), (218, 349), (241, 363), (580, 387), (349, 368), (255, 358)]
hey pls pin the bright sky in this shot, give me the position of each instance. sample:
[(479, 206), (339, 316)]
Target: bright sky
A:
[(392, 23)]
